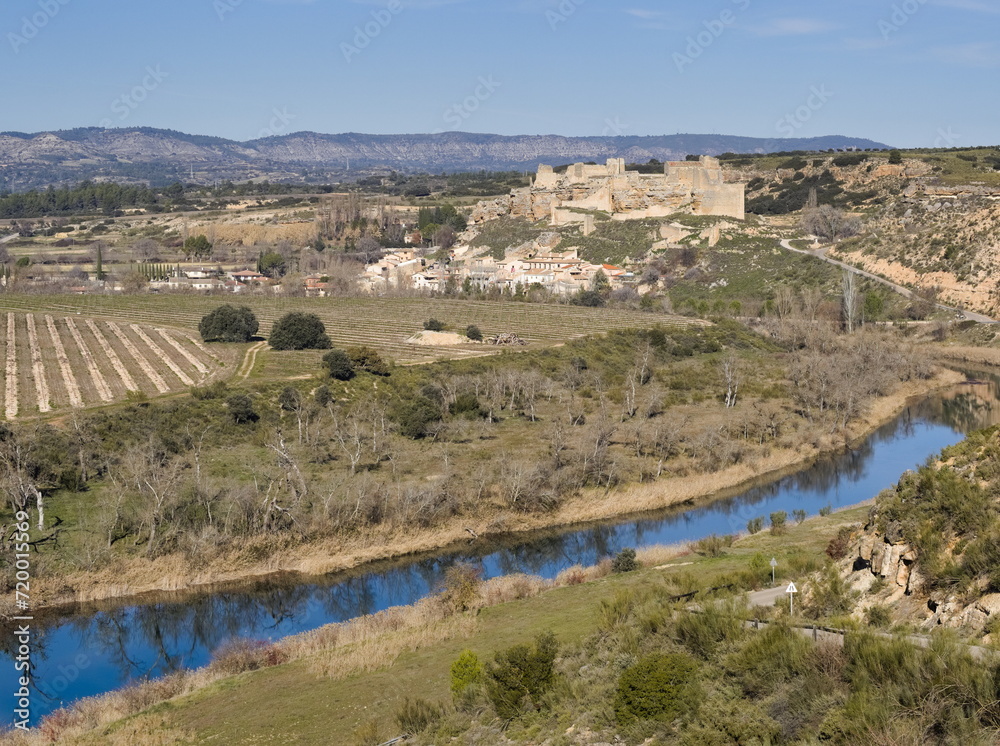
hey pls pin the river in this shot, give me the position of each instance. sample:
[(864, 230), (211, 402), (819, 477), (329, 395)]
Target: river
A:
[(103, 646)]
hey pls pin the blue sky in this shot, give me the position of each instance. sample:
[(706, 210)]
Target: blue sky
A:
[(905, 72)]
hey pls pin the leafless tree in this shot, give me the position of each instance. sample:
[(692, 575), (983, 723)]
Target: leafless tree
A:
[(145, 249), (811, 298), (731, 374), (828, 222), (851, 301)]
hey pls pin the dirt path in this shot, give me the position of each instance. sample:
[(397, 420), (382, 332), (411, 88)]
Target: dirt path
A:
[(821, 253), (246, 367)]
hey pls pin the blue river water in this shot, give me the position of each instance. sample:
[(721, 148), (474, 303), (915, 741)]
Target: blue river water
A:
[(93, 650)]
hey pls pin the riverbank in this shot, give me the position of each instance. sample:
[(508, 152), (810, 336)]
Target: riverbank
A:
[(369, 665), (259, 559)]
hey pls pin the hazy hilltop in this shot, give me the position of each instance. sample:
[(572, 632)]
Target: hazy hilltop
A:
[(36, 160)]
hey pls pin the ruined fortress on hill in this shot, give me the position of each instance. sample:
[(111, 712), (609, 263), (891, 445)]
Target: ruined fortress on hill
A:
[(693, 187)]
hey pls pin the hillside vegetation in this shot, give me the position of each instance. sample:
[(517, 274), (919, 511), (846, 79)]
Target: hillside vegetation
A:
[(595, 656), (931, 546)]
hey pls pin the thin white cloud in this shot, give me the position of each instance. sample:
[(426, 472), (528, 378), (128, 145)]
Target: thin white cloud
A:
[(657, 20), (794, 27), (973, 54)]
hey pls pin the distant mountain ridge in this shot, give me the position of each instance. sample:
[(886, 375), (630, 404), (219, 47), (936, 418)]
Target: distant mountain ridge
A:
[(35, 159)]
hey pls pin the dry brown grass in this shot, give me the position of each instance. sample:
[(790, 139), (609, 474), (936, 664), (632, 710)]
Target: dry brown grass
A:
[(660, 554), (249, 234)]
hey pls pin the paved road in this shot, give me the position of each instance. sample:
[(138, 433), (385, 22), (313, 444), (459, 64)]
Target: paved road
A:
[(821, 253), (768, 596)]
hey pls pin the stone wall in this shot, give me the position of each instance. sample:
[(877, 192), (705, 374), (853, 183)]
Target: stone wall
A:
[(696, 188)]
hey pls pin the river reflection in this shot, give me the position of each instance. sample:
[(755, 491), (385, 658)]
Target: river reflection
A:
[(105, 646)]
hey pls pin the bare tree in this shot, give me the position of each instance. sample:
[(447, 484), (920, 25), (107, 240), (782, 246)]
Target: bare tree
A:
[(730, 367), (851, 301), (830, 223), (811, 297)]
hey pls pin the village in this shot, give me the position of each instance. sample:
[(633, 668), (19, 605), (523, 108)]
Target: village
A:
[(564, 206)]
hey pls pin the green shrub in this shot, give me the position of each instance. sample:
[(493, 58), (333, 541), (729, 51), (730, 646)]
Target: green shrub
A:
[(415, 416), (368, 360), (799, 515), (713, 545), (754, 525), (625, 561), (417, 715), (473, 333), (826, 510), (521, 676), (299, 331), (466, 672), (338, 365), (702, 632), (215, 390), (779, 519), (467, 405), (830, 596), (289, 399), (433, 325), (228, 324), (241, 408), (878, 616), (660, 686)]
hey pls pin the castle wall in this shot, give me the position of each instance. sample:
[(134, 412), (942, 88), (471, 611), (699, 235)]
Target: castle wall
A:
[(695, 187)]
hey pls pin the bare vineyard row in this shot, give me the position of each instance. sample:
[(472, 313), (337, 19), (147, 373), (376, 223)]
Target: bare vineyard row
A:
[(383, 323), (73, 365)]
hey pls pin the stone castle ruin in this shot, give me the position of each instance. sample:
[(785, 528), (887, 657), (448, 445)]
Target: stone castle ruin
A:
[(693, 187)]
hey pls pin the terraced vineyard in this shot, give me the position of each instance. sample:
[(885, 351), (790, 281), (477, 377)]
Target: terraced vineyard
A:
[(57, 362), (383, 323)]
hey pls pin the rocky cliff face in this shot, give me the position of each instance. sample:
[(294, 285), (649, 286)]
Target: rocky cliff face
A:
[(28, 160), (888, 558)]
